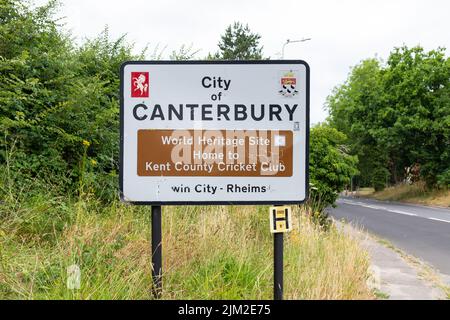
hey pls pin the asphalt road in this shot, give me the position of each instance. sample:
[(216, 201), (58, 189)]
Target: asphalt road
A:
[(423, 232)]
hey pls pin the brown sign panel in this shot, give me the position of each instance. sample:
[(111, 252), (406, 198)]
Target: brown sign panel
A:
[(215, 153)]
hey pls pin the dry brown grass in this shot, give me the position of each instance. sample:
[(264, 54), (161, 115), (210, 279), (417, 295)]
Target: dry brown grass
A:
[(222, 252), (416, 193), (318, 264), (332, 265)]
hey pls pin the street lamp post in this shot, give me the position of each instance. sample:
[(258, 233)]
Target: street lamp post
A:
[(292, 41)]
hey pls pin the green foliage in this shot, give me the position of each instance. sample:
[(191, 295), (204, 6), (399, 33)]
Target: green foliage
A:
[(238, 43), (397, 115), (184, 53), (444, 178), (54, 96), (331, 167), (224, 277)]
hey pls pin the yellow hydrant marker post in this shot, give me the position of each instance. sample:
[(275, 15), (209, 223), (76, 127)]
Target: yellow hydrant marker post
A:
[(280, 219), (280, 223)]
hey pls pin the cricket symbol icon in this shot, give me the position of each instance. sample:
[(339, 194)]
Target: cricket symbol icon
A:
[(140, 85)]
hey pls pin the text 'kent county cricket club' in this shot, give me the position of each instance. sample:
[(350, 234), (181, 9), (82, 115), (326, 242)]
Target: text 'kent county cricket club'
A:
[(215, 112)]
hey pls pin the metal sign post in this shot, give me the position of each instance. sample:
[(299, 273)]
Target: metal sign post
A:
[(156, 251), (278, 266)]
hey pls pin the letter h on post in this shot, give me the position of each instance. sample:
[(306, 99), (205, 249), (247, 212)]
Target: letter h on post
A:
[(281, 221)]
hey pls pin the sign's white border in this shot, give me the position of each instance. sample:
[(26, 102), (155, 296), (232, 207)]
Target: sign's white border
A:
[(280, 62)]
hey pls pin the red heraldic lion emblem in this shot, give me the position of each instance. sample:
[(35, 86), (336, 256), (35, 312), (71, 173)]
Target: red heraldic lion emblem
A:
[(140, 85)]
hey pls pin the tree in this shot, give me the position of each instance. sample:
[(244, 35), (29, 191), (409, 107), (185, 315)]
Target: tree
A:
[(238, 43), (353, 110), (397, 115), (57, 98), (331, 167), (416, 87)]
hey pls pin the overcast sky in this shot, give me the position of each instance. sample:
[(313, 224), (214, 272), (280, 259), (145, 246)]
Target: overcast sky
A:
[(343, 32)]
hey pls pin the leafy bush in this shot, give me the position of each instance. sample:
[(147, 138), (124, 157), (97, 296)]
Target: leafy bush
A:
[(331, 167), (444, 179), (55, 96)]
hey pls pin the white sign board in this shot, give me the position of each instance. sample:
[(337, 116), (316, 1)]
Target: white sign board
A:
[(204, 132)]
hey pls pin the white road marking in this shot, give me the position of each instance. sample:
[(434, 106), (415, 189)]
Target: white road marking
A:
[(403, 212), (436, 219), (375, 207)]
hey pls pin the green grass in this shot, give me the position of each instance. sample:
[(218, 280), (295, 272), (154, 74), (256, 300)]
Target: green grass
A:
[(216, 252), (381, 295)]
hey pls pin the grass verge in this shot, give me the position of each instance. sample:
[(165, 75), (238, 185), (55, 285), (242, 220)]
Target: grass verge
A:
[(208, 253), (415, 193)]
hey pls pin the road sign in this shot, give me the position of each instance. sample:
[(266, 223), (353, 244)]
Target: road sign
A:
[(280, 219), (214, 132)]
